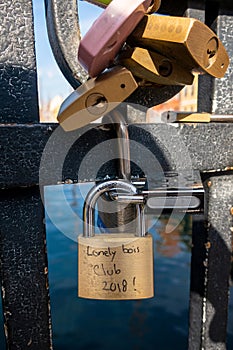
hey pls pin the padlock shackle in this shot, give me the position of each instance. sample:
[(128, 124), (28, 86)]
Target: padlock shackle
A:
[(122, 132), (96, 192)]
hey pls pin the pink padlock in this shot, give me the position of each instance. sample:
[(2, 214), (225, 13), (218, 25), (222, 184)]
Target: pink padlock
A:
[(102, 42)]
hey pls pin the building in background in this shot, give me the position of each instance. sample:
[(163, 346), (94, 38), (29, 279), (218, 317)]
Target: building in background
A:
[(185, 101), (188, 97), (49, 110)]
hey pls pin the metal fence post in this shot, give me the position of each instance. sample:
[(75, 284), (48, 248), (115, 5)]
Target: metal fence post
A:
[(22, 236), (212, 237)]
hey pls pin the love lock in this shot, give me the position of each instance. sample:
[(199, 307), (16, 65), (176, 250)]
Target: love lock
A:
[(191, 43), (154, 68), (96, 98), (114, 266)]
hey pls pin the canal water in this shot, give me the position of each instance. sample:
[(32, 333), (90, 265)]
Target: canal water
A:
[(158, 323)]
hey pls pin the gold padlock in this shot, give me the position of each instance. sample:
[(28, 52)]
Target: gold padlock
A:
[(114, 266), (188, 41), (153, 67), (96, 97)]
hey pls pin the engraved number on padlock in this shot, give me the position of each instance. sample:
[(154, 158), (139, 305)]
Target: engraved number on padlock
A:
[(113, 266)]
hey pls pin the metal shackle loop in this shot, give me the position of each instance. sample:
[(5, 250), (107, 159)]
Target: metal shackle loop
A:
[(96, 192), (121, 128)]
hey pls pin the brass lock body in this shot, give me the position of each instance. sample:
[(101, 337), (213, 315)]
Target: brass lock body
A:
[(96, 97), (155, 5), (188, 41), (113, 266), (153, 67)]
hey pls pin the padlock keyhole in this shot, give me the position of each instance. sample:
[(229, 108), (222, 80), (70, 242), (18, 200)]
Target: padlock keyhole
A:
[(165, 68), (211, 53), (96, 104), (212, 49)]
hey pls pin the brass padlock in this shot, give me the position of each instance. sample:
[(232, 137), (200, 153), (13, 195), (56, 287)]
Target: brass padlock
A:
[(188, 41), (114, 266), (153, 67), (96, 97)]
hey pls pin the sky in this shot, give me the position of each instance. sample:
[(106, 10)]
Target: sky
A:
[(51, 82)]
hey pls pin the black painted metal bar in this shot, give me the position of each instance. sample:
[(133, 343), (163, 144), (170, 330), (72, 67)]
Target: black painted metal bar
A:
[(23, 258), (208, 145), (215, 95), (18, 78), (211, 264), (219, 193), (212, 237), (197, 282), (24, 272)]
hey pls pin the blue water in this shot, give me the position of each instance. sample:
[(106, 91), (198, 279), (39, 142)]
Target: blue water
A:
[(158, 323)]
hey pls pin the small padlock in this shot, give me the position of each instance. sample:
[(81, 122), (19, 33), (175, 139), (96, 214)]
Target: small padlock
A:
[(114, 266), (155, 5), (96, 97), (102, 42), (153, 67), (188, 41)]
